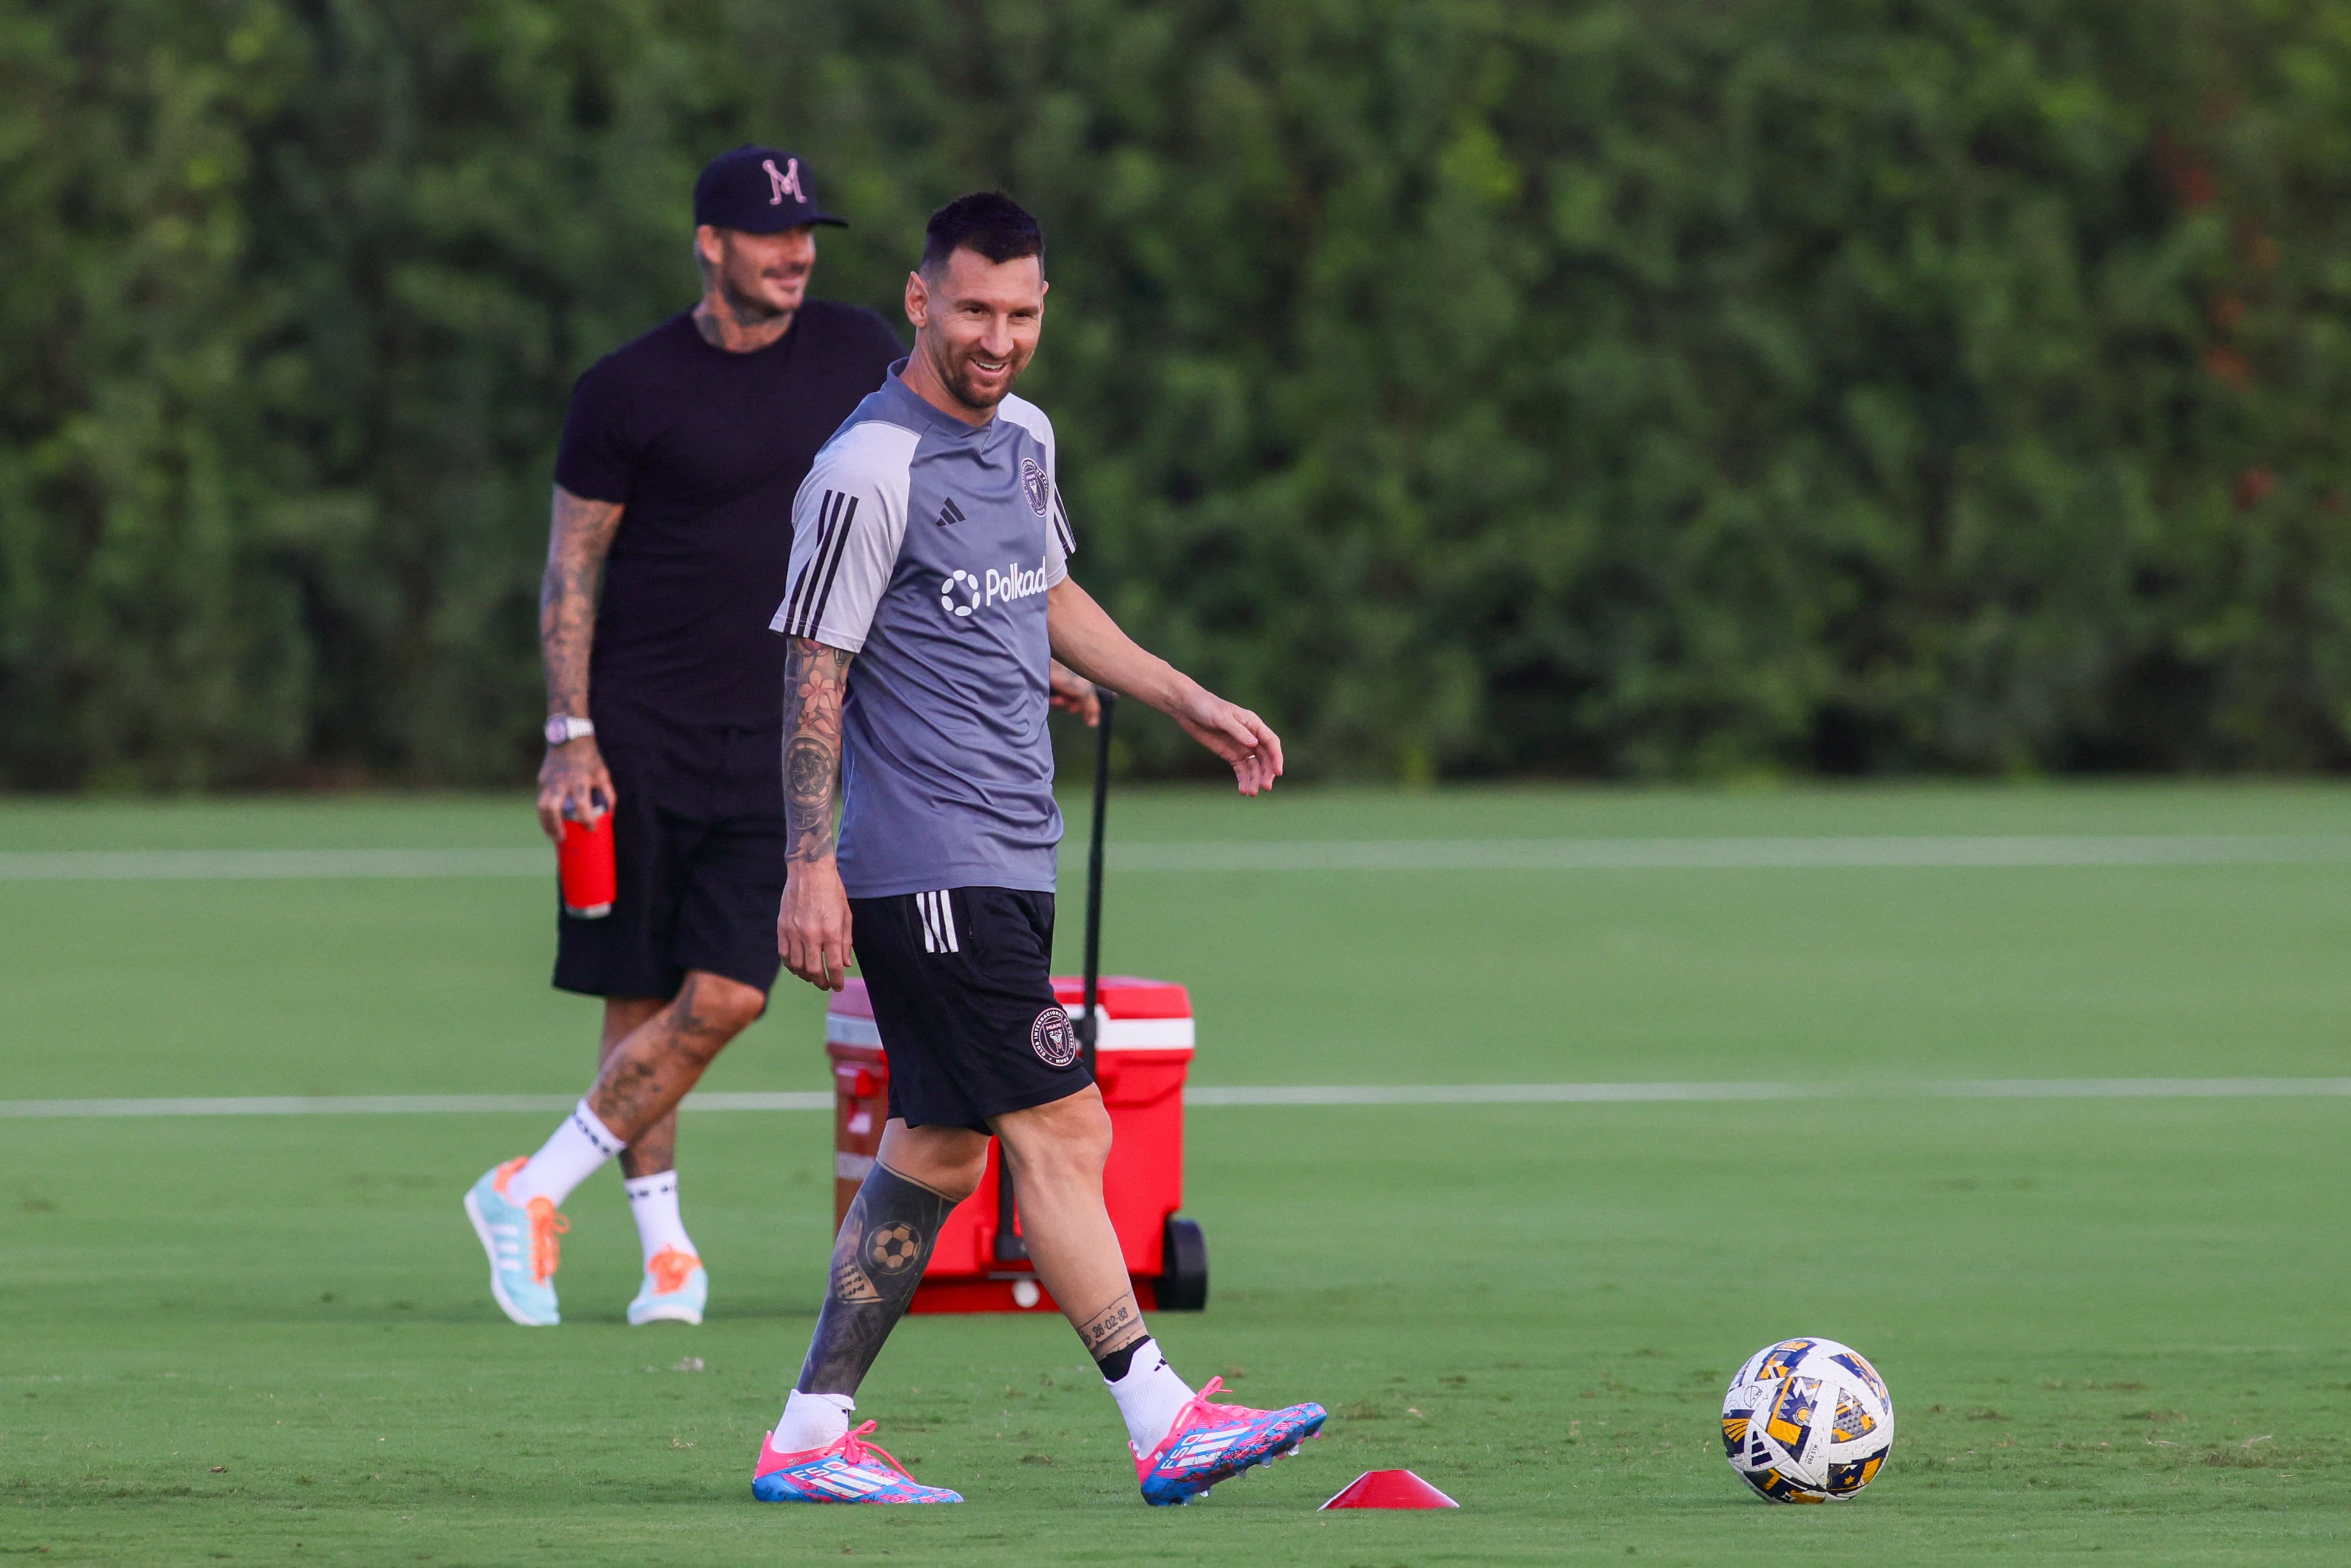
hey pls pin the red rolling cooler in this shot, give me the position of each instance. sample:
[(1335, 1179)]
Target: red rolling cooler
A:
[(1142, 1052), (1138, 1038)]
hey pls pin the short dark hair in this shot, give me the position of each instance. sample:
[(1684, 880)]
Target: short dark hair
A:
[(988, 222)]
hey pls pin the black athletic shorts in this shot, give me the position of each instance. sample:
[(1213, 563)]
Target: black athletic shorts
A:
[(963, 997), (698, 839)]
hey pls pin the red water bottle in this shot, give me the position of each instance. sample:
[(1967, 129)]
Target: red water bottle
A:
[(583, 864)]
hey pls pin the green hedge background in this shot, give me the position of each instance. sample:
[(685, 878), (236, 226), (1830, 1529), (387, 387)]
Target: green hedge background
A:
[(1679, 387)]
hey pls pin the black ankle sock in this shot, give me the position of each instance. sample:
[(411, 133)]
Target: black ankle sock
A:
[(1115, 1365)]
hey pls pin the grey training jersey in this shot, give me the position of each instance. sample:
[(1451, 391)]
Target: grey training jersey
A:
[(924, 547)]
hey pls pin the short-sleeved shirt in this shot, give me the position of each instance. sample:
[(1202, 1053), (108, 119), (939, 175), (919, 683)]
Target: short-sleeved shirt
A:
[(705, 449), (926, 545)]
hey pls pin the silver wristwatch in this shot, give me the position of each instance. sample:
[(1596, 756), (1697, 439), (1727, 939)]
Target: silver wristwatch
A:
[(563, 727)]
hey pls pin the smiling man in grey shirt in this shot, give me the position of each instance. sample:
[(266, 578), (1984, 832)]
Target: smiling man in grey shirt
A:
[(935, 546), (930, 588)]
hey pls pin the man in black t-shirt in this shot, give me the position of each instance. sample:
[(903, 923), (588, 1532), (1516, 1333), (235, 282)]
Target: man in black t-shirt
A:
[(680, 458)]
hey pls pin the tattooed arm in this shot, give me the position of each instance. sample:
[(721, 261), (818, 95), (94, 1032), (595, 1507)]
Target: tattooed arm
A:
[(812, 927), (578, 538)]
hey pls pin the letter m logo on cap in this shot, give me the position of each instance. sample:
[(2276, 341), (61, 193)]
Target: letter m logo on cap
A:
[(787, 178)]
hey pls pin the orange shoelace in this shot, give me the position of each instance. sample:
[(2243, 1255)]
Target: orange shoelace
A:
[(670, 1268), (546, 1225), (855, 1451), (506, 1173)]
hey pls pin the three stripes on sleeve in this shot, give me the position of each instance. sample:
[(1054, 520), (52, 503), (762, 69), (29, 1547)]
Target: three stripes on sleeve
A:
[(804, 607)]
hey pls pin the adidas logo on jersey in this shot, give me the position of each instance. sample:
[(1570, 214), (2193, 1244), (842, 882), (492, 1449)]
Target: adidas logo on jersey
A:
[(950, 513)]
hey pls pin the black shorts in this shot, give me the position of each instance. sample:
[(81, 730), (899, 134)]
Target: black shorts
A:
[(962, 996), (698, 839)]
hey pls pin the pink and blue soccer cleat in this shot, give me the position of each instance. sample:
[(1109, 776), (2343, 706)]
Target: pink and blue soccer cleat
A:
[(849, 1471), (1210, 1443)]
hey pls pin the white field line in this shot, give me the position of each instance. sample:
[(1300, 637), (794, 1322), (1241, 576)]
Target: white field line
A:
[(1305, 1094), (378, 1105), (1295, 855), (1731, 855), (250, 865), (1954, 1088)]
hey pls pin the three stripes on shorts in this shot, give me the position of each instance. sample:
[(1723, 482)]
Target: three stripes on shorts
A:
[(939, 922)]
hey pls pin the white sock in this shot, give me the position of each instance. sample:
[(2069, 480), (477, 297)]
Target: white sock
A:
[(569, 1158), (1150, 1397), (653, 1200), (811, 1421)]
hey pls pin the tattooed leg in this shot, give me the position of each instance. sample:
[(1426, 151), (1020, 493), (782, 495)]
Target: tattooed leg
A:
[(650, 1072), (1057, 1153), (877, 1262), (655, 1150)]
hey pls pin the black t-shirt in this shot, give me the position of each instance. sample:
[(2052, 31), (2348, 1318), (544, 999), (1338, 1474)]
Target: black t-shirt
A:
[(705, 450)]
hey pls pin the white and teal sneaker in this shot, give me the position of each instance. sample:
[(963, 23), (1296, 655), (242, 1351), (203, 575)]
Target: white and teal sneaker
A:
[(521, 1241), (675, 1291)]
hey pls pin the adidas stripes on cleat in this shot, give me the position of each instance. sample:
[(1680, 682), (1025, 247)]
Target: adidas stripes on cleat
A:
[(521, 1241), (1211, 1442), (852, 1470)]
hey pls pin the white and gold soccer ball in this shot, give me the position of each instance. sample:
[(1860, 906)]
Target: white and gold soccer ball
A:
[(1807, 1420)]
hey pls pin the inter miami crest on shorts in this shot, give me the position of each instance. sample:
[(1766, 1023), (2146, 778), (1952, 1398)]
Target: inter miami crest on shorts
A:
[(963, 995), (1052, 1039)]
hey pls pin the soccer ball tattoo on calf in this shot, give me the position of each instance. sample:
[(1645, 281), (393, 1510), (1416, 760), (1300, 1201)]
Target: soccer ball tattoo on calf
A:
[(877, 1262), (891, 1247)]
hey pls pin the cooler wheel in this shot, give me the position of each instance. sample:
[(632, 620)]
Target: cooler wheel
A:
[(1183, 1287)]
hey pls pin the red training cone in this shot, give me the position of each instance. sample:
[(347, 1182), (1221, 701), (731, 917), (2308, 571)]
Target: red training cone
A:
[(1389, 1489)]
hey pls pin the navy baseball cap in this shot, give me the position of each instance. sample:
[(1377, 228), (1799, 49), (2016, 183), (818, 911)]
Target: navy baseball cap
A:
[(759, 190)]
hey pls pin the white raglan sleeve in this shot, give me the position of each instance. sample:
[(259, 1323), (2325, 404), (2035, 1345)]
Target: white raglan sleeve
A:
[(1060, 543), (849, 521)]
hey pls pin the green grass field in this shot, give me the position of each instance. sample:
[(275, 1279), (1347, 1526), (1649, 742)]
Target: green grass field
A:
[(2114, 1328)]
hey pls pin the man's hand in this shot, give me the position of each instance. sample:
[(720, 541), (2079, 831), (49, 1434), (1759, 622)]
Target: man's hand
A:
[(812, 926), (1233, 733), (1072, 693), (573, 782)]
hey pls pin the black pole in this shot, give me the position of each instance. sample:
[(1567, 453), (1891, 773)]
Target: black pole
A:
[(1089, 1021)]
